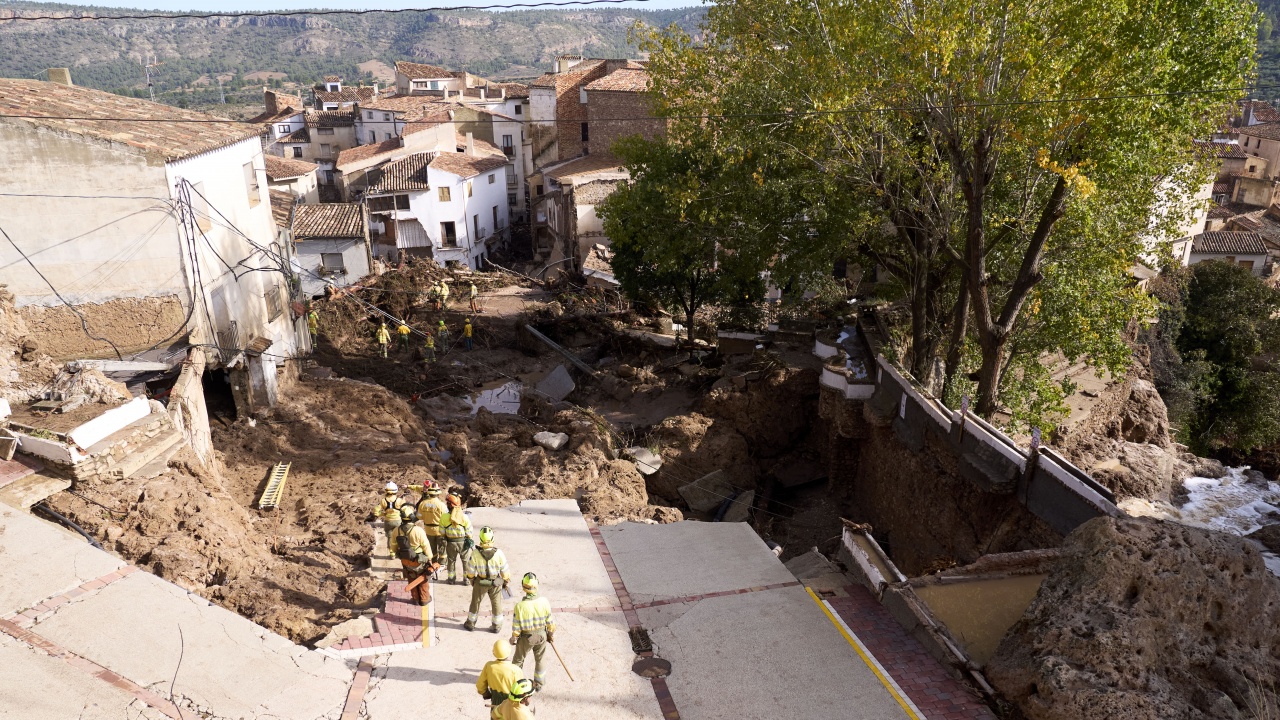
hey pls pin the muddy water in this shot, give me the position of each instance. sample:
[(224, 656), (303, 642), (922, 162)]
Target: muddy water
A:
[(980, 611)]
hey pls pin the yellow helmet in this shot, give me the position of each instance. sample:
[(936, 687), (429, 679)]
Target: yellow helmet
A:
[(521, 689), (500, 651), (529, 582)]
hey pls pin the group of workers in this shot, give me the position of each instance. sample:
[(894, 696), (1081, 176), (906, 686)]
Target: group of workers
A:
[(439, 294), (433, 534), (433, 341)]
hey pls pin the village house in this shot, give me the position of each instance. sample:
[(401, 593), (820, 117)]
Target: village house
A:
[(353, 166), (565, 225), (331, 245), (559, 122), (332, 95), (148, 231), (618, 106), (295, 177), (1246, 249), (292, 132)]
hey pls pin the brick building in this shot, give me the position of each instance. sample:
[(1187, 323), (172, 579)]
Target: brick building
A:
[(618, 105), (558, 101)]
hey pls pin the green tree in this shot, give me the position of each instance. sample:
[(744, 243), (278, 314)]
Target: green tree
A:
[(992, 156), (667, 228)]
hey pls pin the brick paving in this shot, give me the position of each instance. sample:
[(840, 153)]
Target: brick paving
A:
[(355, 695), (938, 695), (17, 468), (398, 627)]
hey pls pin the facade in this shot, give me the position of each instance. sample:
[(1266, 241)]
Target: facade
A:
[(358, 167), (1246, 249), (332, 95), (294, 133), (1263, 141), (421, 79), (170, 221), (331, 246), (565, 225), (295, 177), (618, 106)]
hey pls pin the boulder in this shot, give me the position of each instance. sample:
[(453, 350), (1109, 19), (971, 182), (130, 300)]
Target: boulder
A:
[(646, 461), (1144, 619), (1269, 536), (1207, 468), (551, 441), (708, 492), (1144, 418), (740, 508), (557, 384), (664, 515)]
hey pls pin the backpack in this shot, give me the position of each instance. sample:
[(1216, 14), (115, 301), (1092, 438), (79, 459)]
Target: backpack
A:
[(403, 550)]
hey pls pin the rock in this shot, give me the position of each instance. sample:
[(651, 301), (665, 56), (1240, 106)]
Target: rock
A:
[(1269, 536), (740, 508), (708, 492), (1143, 619), (1207, 468), (626, 371), (551, 441), (689, 370), (1144, 417), (1140, 470), (663, 514), (114, 532), (1254, 477), (646, 461), (355, 627), (557, 384)]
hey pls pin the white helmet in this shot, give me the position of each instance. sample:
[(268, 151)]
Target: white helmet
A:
[(392, 487)]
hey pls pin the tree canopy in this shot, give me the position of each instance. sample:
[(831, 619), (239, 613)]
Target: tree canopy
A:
[(1001, 161)]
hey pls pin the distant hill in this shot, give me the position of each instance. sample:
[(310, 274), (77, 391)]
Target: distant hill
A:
[(247, 52)]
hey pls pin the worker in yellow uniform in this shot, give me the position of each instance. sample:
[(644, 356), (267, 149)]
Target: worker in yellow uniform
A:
[(466, 334), (474, 294), (497, 678), (532, 627), (444, 294), (313, 323), (388, 511), (383, 337), (403, 332), (516, 706), (457, 533), (431, 509), (429, 348), (487, 571), (414, 552), (442, 336)]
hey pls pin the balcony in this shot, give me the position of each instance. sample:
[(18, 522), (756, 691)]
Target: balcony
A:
[(509, 150)]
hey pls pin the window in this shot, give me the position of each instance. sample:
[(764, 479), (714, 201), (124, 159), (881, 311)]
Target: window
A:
[(325, 131), (582, 94), (511, 176), (1246, 264), (283, 129), (511, 199), (468, 188), (368, 115), (402, 202), (585, 134), (495, 218), (444, 194), (448, 235), (1253, 168), (519, 110), (328, 177), (492, 177), (539, 190), (475, 227), (251, 184), (331, 106), (332, 263), (433, 85), (297, 151), (386, 117), (508, 147), (373, 136), (324, 150), (275, 303), (335, 87), (388, 135)]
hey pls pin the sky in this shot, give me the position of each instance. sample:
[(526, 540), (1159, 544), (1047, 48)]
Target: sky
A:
[(241, 5)]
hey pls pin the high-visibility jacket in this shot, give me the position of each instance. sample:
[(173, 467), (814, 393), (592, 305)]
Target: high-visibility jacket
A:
[(383, 336), (444, 290), (466, 330), (403, 330), (430, 342), (456, 525), (418, 543), (386, 508), (498, 676), (313, 321), (509, 710), (476, 566), (474, 292), (532, 615), (430, 511)]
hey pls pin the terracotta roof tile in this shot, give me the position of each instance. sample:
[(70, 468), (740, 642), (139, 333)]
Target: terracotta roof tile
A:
[(483, 147), (281, 207), (279, 168), (466, 166), (565, 80), (328, 220), (172, 140), (1230, 210), (346, 95), (422, 71), (404, 175), (331, 118), (301, 135), (364, 152), (1266, 131), (583, 166), (1262, 111), (594, 192), (1228, 243), (624, 80), (1221, 149), (514, 90)]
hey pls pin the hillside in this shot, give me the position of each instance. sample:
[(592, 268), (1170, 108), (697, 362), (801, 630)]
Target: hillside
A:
[(195, 53)]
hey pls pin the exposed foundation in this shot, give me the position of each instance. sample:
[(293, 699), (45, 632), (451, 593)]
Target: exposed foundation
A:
[(133, 324)]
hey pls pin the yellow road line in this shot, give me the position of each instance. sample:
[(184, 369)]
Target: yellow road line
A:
[(426, 619), (907, 706)]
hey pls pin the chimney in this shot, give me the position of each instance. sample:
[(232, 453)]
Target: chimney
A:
[(61, 76), (269, 101), (484, 89), (471, 144), (504, 92), (562, 65), (375, 88)]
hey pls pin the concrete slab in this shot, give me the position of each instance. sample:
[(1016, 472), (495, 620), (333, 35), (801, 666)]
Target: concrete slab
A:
[(767, 654), (39, 560), (225, 664), (440, 681), (659, 562), (34, 685)]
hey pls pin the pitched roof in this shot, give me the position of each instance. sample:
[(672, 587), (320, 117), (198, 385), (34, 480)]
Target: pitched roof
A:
[(1266, 130), (594, 192), (332, 78), (582, 166), (331, 118), (404, 175), (1228, 243), (624, 80), (421, 71), (1261, 111), (301, 135), (565, 80), (110, 117), (1230, 210), (364, 152), (346, 95), (328, 220), (483, 147), (279, 168), (514, 90), (465, 166), (397, 103), (1219, 149), (281, 206)]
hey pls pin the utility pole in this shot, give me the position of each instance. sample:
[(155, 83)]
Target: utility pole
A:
[(221, 95), (151, 88)]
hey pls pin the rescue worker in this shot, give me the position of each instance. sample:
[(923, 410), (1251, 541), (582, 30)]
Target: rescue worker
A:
[(313, 323), (457, 533), (383, 337), (429, 348), (403, 332), (442, 337), (532, 627), (487, 571), (414, 552), (466, 334), (516, 706), (475, 309), (444, 294), (498, 678), (431, 510), (388, 511)]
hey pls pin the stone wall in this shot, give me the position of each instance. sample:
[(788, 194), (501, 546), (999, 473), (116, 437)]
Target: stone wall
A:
[(612, 115), (133, 324), (187, 410)]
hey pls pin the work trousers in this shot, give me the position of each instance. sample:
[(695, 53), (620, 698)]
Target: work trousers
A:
[(478, 592), (453, 548), (438, 543), (467, 341), (496, 699), (411, 570), (537, 643), (382, 348), (429, 354)]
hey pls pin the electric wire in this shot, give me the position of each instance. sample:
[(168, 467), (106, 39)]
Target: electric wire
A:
[(294, 13)]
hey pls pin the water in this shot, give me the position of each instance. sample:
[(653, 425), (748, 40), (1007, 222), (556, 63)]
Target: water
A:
[(502, 399), (1233, 504)]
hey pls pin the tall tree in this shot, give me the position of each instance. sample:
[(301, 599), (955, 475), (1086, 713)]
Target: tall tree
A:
[(992, 156)]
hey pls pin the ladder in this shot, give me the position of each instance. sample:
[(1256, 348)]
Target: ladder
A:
[(275, 486)]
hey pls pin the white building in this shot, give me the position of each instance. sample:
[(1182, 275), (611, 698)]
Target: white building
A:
[(295, 177), (565, 224), (331, 245), (153, 231), (1246, 249)]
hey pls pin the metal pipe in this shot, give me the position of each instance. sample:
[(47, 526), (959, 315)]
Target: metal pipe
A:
[(45, 509)]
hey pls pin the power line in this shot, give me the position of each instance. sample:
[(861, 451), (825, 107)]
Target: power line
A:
[(294, 13), (718, 116)]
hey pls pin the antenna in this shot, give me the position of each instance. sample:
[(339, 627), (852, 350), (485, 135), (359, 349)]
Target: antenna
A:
[(149, 62)]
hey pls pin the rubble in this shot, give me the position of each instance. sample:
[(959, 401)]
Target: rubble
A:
[(708, 492), (740, 508), (557, 384), (647, 462), (551, 441)]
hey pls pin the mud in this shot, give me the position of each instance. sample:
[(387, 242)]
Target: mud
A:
[(133, 324)]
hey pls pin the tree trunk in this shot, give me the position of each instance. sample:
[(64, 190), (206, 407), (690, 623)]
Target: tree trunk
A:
[(989, 376), (955, 344), (688, 328)]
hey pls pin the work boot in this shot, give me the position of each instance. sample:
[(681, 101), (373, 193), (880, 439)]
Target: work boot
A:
[(468, 626), (495, 629)]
